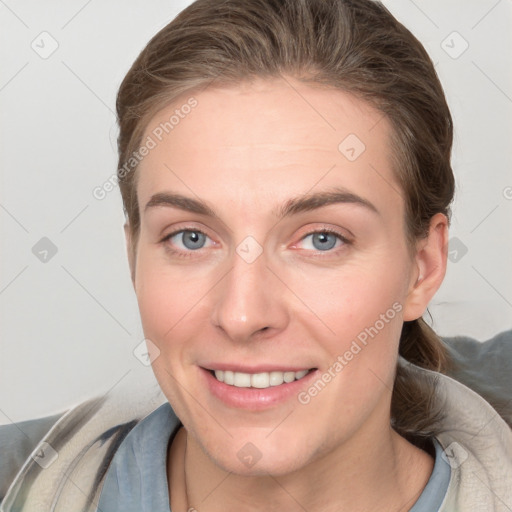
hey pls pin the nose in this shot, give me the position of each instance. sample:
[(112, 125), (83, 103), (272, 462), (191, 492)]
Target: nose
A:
[(249, 301)]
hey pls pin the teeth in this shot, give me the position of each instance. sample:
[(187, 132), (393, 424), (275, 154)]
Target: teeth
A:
[(242, 380), (276, 378), (260, 380), (257, 380)]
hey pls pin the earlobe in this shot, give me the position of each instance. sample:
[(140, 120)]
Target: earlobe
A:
[(431, 260), (130, 252)]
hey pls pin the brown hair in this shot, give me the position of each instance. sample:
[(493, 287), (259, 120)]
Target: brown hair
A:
[(352, 45)]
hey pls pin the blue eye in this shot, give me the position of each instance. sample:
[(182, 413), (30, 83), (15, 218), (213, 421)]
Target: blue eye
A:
[(323, 240), (187, 239), (185, 242)]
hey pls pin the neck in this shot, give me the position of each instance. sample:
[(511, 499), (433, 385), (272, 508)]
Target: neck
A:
[(364, 476)]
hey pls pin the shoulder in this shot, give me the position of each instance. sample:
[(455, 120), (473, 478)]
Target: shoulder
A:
[(136, 479), (485, 367), (476, 443), (82, 443), (17, 442)]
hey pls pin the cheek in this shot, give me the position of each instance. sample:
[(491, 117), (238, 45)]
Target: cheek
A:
[(352, 298), (166, 301), (168, 311), (358, 320)]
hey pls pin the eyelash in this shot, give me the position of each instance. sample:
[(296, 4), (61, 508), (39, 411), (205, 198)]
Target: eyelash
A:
[(189, 253)]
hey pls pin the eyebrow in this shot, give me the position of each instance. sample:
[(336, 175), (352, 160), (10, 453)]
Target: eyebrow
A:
[(299, 204)]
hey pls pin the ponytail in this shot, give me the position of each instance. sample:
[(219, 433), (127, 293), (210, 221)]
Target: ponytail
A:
[(413, 414)]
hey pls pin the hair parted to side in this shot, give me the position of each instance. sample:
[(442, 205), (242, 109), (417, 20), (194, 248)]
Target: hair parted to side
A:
[(356, 46)]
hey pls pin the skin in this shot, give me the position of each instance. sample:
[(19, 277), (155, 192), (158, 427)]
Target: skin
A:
[(246, 150)]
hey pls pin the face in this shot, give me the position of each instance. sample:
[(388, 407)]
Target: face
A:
[(272, 244)]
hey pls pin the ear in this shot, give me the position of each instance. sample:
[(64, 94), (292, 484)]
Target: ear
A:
[(130, 251), (431, 259)]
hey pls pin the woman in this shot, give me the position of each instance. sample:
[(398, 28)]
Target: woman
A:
[(285, 172)]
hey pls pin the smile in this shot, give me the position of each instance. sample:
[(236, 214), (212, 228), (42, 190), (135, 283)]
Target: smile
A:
[(255, 389), (257, 380)]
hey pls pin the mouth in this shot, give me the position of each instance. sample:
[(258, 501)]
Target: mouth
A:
[(260, 380), (258, 388)]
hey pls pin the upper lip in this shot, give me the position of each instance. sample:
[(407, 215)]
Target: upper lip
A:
[(260, 368)]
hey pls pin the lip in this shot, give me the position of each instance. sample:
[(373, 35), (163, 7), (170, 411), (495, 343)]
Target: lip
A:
[(260, 368), (255, 399)]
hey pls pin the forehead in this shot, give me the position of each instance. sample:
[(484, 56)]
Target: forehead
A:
[(267, 140)]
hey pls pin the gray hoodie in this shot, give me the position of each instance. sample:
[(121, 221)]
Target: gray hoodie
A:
[(59, 463)]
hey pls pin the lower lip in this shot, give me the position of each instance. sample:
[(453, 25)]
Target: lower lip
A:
[(255, 399)]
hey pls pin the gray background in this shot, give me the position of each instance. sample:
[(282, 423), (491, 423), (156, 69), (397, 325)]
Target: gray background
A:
[(70, 324)]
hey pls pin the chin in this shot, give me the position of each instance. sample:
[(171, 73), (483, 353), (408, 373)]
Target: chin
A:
[(256, 456)]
